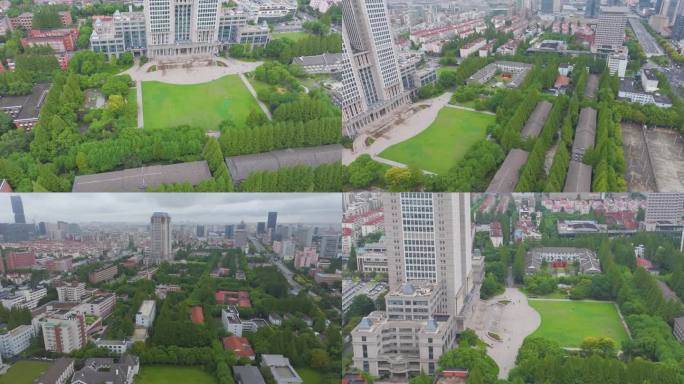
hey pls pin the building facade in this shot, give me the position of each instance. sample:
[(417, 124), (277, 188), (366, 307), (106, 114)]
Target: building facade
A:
[(372, 91), (160, 238)]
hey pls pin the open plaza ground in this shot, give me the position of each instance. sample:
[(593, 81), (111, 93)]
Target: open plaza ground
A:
[(444, 142), (162, 374), (569, 322), (203, 105), (24, 372)]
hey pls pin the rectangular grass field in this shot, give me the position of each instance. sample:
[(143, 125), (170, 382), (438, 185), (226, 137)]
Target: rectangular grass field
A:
[(569, 322), (162, 374), (24, 372), (294, 36), (441, 145), (203, 105)]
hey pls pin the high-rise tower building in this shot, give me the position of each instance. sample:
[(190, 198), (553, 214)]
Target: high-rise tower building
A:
[(428, 246), (160, 234), (372, 90), (272, 221), (428, 237), (18, 209), (181, 29), (665, 207), (610, 30)]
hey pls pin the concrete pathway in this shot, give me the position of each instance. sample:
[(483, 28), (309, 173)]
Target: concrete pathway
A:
[(513, 322), (426, 113), (139, 101), (396, 164), (470, 109), (253, 92), (193, 75)]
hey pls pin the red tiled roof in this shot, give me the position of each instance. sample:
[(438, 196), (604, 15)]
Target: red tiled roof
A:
[(241, 298), (197, 315), (641, 262), (239, 345)]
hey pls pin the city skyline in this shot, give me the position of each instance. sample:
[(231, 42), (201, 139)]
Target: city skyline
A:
[(311, 208)]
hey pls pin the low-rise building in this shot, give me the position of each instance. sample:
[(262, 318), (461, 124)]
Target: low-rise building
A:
[(323, 63), (281, 369), (240, 347), (247, 374), (71, 292), (560, 257), (632, 90), (24, 110), (99, 305), (15, 341), (678, 329), (145, 315), (617, 62), (118, 347), (103, 274), (59, 372), (108, 370), (649, 80)]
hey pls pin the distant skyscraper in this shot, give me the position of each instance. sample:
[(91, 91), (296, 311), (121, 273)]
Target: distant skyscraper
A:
[(241, 235), (181, 29), (610, 30), (18, 209), (201, 231), (160, 236), (592, 8), (371, 82), (272, 221), (229, 231), (261, 227)]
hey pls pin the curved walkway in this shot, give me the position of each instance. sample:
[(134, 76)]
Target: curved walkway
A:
[(513, 322), (193, 75), (403, 131)]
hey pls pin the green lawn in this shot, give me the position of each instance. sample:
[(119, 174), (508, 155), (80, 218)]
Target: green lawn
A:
[(24, 372), (161, 374), (295, 36), (569, 322), (202, 105), (309, 376), (444, 142)]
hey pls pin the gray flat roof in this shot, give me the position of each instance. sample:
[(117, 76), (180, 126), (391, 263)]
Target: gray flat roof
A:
[(592, 86), (506, 177), (241, 167), (535, 123), (54, 371), (139, 179), (585, 133), (578, 178), (30, 104), (247, 374)]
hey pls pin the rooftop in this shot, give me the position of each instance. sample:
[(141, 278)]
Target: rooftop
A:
[(242, 166), (30, 104), (506, 177), (535, 123), (578, 178), (139, 179)]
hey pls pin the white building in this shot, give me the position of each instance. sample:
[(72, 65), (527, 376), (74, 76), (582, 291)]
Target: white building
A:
[(181, 30), (118, 347), (24, 298), (617, 62), (649, 80), (145, 315), (100, 305), (610, 30), (15, 341), (71, 292), (281, 369), (230, 317)]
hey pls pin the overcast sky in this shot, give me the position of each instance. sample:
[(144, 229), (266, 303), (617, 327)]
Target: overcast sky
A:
[(209, 208)]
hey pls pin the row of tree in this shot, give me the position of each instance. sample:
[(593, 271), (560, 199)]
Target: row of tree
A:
[(300, 178)]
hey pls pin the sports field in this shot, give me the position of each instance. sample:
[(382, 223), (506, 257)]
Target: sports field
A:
[(161, 374), (569, 322), (295, 36), (202, 105), (24, 372), (444, 142)]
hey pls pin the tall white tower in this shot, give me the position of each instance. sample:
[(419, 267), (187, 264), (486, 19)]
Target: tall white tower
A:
[(160, 235)]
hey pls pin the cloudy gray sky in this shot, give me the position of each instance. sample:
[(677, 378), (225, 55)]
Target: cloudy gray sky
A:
[(314, 208)]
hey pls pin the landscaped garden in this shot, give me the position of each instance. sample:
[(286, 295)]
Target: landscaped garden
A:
[(294, 36), (24, 372), (202, 105), (569, 322), (160, 374), (444, 142)]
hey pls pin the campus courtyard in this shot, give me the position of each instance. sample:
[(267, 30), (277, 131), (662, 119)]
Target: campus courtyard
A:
[(160, 374), (444, 142), (203, 105), (569, 322)]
